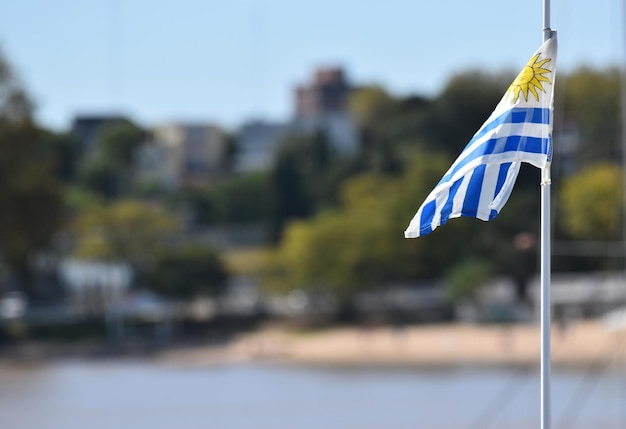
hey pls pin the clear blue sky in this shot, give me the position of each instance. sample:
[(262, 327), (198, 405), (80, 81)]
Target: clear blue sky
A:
[(231, 60)]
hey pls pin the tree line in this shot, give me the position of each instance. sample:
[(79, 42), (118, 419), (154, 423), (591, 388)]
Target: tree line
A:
[(335, 223)]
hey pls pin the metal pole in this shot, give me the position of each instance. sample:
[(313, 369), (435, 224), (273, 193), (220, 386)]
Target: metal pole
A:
[(545, 299), (545, 267), (623, 142), (623, 124), (547, 31)]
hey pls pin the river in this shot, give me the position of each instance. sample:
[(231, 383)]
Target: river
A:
[(150, 395)]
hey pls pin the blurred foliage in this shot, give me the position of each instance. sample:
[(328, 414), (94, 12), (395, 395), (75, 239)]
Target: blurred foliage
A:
[(31, 197), (591, 102), (465, 103), (118, 144), (369, 103), (15, 104), (30, 192), (464, 278), (249, 261), (357, 244), (592, 203), (297, 181), (241, 199), (337, 221), (186, 272), (360, 245), (125, 230), (77, 199), (108, 172), (65, 152), (388, 127)]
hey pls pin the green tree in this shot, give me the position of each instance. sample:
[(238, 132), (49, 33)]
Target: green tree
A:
[(16, 106), (100, 177), (243, 199), (238, 200), (341, 252), (126, 230), (186, 272), (65, 150), (368, 104), (464, 278), (109, 171), (360, 245), (591, 104), (592, 203), (390, 128), (466, 102), (32, 209), (297, 181), (118, 143)]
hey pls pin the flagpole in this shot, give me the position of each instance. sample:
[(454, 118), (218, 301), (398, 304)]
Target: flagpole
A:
[(545, 266)]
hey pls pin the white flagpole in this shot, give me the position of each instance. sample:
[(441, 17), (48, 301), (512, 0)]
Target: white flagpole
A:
[(545, 266)]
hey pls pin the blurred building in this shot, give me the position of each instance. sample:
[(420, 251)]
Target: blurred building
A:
[(86, 129), (327, 93), (582, 295), (323, 105), (180, 155), (339, 128), (95, 286), (320, 105), (257, 143)]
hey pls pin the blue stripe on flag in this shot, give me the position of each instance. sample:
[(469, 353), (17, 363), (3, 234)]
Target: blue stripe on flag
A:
[(472, 195), (446, 210), (502, 175), (524, 144), (511, 144), (504, 170), (515, 143), (517, 115), (426, 219), (535, 115)]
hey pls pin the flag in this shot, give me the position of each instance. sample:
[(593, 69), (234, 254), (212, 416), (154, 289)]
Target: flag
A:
[(479, 182)]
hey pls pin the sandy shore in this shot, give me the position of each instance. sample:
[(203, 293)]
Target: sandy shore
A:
[(581, 344)]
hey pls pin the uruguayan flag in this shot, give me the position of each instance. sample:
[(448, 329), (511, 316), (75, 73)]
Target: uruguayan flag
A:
[(479, 182)]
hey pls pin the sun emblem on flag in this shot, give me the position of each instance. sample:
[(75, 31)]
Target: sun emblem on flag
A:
[(530, 79)]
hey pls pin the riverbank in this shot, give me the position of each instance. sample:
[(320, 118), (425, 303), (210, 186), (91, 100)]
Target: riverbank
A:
[(581, 344)]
